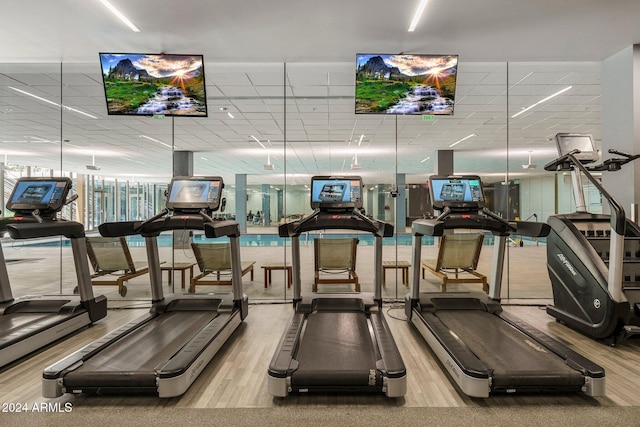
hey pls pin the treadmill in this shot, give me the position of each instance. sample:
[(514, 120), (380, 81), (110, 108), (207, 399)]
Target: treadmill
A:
[(482, 348), (32, 322), (337, 342), (164, 351)]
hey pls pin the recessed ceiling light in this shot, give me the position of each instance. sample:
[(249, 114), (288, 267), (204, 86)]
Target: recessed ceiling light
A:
[(120, 16), (155, 140), (417, 15), (463, 139), (24, 92), (541, 101)]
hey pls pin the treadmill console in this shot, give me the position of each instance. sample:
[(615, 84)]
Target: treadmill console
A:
[(336, 192), (191, 194), (457, 192), (567, 142), (47, 195)]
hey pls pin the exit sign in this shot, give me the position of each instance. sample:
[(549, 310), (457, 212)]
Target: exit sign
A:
[(428, 118)]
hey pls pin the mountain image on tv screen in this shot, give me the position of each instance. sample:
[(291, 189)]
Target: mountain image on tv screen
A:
[(149, 84), (405, 84)]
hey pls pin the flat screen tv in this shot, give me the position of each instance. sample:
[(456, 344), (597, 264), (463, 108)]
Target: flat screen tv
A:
[(567, 142), (44, 194), (456, 191), (154, 84), (337, 192), (405, 84), (193, 193)]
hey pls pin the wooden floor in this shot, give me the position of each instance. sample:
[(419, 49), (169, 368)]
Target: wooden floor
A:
[(237, 377)]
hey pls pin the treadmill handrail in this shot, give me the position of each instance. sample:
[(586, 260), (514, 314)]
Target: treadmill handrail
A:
[(175, 222), (32, 230), (347, 220), (474, 221), (4, 222)]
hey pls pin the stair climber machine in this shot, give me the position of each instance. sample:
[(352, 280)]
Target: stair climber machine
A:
[(593, 259), (30, 323), (482, 348), (337, 342), (165, 350)]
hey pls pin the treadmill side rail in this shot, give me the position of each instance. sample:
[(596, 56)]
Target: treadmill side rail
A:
[(394, 373), (282, 364), (390, 355)]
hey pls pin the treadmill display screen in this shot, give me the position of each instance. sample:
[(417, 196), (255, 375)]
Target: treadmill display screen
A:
[(45, 194), (567, 142), (456, 191), (194, 193), (336, 191)]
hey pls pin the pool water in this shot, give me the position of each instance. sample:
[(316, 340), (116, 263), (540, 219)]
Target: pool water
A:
[(260, 240)]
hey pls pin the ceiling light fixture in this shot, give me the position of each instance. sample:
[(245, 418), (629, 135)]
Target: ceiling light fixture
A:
[(417, 15), (226, 110), (269, 166), (120, 16), (425, 159), (258, 141), (355, 165), (51, 102), (529, 165), (463, 139), (155, 140), (541, 101), (92, 166)]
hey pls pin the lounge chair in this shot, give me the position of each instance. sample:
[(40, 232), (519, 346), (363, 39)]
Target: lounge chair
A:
[(457, 261), (110, 256), (215, 258), (334, 256)]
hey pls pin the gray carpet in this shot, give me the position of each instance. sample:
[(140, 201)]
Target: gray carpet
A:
[(337, 416)]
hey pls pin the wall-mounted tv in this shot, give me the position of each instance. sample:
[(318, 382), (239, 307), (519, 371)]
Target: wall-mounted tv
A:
[(405, 84), (151, 84)]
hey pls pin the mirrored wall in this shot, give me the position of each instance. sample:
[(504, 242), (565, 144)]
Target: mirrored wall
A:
[(271, 127)]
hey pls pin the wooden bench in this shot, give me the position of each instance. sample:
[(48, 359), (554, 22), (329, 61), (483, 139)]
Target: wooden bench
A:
[(402, 265), (277, 266), (180, 266)]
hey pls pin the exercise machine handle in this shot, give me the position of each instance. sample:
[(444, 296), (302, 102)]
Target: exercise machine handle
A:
[(137, 229), (562, 162)]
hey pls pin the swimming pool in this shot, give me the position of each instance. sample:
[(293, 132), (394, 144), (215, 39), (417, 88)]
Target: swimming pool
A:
[(273, 240)]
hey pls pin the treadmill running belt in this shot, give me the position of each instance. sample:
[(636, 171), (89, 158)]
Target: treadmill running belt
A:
[(516, 359), (336, 350), (132, 359), (15, 322)]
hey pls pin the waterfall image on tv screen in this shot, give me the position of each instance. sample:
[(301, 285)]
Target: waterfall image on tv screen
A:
[(149, 84), (405, 84)]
